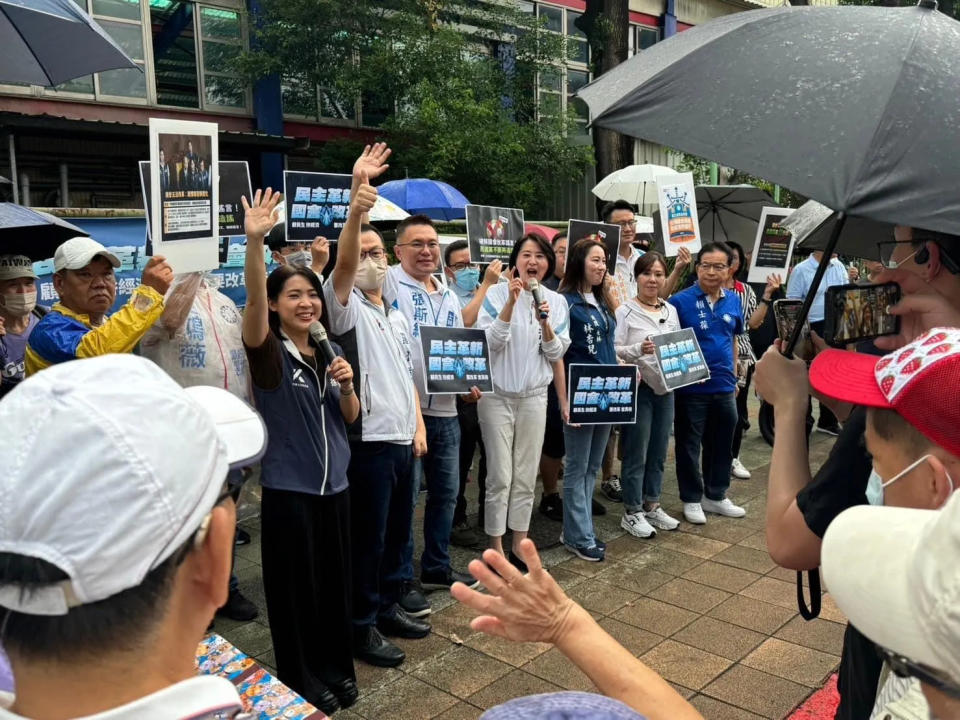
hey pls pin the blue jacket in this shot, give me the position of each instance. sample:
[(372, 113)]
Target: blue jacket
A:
[(716, 329), (591, 333)]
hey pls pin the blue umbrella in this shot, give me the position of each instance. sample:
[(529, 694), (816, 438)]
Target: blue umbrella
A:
[(32, 233), (432, 198), (47, 42)]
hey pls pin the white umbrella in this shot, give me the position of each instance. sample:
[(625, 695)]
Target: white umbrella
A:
[(384, 211), (630, 184)]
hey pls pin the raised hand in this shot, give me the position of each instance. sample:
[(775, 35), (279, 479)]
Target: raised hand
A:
[(773, 284), (683, 258), (372, 161), (515, 286), (365, 197), (319, 252), (157, 274), (491, 276), (262, 215)]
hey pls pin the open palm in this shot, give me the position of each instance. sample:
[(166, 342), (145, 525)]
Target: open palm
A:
[(372, 161), (260, 217)]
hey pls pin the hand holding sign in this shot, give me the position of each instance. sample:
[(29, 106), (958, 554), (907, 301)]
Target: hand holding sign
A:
[(259, 218), (491, 275), (683, 258), (158, 274)]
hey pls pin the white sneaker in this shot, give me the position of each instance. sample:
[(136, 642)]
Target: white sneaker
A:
[(738, 470), (693, 513), (724, 507), (660, 520), (636, 524)]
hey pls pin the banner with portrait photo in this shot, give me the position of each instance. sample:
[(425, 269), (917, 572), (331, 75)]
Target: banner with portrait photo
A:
[(455, 360), (678, 213), (184, 159), (492, 232), (602, 394), (317, 204), (234, 183), (606, 233), (773, 246), (680, 359)]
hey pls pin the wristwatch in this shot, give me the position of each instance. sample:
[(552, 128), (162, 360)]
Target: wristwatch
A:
[(766, 301)]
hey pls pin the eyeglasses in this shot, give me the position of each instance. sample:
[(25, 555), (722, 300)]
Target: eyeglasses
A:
[(419, 246), (719, 267), (887, 248), (627, 223), (375, 254), (457, 267), (906, 668)]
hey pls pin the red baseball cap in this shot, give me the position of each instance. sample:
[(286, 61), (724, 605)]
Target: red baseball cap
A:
[(917, 381)]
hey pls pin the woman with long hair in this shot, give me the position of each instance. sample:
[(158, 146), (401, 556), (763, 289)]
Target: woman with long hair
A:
[(589, 297), (526, 339), (645, 441), (306, 403)]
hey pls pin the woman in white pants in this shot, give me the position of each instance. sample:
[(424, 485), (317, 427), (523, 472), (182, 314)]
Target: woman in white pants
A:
[(527, 341)]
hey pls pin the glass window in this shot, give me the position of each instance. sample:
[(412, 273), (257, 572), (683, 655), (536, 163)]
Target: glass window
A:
[(578, 51), (174, 53), (226, 91), (222, 24), (222, 37), (334, 106), (298, 98), (551, 80), (219, 57), (550, 104), (124, 83), (552, 17), (77, 85), (572, 29), (128, 36), (647, 36), (576, 79), (125, 9)]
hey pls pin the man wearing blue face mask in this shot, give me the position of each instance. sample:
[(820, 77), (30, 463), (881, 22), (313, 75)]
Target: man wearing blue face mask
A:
[(463, 277)]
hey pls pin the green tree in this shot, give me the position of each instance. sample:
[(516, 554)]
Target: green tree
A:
[(455, 82)]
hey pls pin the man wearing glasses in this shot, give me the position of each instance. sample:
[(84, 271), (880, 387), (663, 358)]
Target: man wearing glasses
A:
[(620, 212), (708, 406), (78, 326)]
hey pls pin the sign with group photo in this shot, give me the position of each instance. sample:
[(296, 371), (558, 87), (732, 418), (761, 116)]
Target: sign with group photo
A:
[(602, 394), (679, 220), (234, 184), (492, 232), (455, 360), (184, 159), (680, 359), (317, 204), (773, 246), (605, 233)]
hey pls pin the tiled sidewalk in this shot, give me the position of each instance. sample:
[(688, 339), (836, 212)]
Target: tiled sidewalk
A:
[(704, 606)]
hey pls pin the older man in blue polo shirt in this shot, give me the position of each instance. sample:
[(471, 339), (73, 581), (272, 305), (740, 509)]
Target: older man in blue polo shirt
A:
[(708, 407)]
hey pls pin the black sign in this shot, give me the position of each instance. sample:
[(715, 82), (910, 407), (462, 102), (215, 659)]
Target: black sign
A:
[(492, 232), (317, 204), (234, 183), (680, 359), (606, 233), (602, 394), (455, 360)]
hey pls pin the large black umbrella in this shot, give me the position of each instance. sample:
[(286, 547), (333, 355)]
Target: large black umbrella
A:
[(725, 213), (47, 42), (813, 223), (33, 233)]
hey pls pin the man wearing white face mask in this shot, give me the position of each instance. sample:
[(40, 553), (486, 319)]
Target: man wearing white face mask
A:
[(386, 436), (19, 314)]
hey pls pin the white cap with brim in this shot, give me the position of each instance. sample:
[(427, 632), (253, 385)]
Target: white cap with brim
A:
[(13, 267), (895, 573), (109, 467), (79, 252)]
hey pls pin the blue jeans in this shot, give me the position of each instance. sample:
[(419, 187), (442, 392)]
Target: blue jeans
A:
[(645, 449), (381, 482), (697, 414), (584, 454), (441, 471)]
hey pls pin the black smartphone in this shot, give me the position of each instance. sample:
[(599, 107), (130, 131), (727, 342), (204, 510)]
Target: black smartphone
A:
[(786, 313), (859, 312)]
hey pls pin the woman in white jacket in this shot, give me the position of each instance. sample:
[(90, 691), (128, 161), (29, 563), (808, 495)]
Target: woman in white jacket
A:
[(527, 342), (645, 442)]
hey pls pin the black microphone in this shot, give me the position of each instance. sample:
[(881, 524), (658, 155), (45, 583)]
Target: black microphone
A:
[(319, 336), (537, 295)]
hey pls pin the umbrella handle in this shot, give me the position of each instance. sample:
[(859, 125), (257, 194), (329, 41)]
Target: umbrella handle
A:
[(817, 278)]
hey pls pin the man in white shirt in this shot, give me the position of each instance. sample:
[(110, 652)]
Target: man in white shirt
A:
[(115, 549), (411, 289)]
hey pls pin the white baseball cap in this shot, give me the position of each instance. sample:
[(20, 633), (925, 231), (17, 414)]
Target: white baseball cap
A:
[(895, 573), (79, 252), (16, 266), (109, 467)]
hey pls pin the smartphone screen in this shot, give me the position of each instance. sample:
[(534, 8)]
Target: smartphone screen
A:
[(860, 312), (786, 313)]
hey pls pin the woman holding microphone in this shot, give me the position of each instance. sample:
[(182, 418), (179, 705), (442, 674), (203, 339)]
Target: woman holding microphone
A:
[(527, 333), (645, 441)]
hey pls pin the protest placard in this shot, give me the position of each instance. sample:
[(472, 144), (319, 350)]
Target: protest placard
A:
[(773, 246), (455, 360), (317, 204), (492, 232), (680, 359), (602, 394), (606, 233), (678, 213), (184, 190)]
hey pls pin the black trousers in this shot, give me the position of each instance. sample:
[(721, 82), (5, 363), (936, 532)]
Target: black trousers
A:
[(470, 438), (742, 416), (859, 674), (827, 418), (305, 548)]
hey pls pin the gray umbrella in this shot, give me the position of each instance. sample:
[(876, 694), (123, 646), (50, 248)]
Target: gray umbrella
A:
[(33, 233), (813, 223), (857, 107), (47, 42)]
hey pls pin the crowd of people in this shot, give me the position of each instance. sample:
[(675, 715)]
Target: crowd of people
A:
[(352, 436)]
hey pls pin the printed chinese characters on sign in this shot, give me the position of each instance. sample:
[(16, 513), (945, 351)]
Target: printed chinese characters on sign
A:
[(455, 360), (602, 394)]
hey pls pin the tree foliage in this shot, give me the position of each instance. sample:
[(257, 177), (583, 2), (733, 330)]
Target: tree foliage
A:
[(454, 81)]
